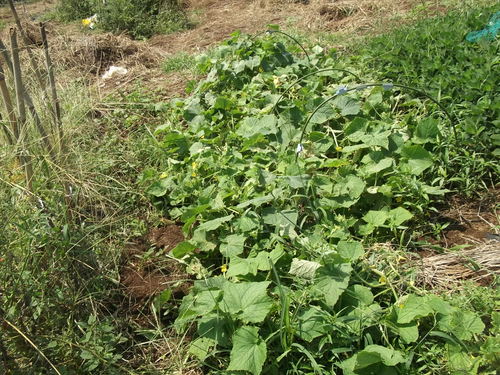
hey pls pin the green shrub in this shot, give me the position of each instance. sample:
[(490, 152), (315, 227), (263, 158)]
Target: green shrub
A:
[(142, 18), (138, 18), (70, 10)]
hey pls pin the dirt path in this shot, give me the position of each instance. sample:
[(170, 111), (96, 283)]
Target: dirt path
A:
[(89, 54)]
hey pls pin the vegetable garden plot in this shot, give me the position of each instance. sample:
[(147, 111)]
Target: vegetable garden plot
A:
[(280, 172)]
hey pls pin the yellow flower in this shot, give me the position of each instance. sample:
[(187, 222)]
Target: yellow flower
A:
[(382, 280), (194, 165), (338, 148), (164, 175), (86, 22), (223, 268)]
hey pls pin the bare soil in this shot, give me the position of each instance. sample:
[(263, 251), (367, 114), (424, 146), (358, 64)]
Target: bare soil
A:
[(472, 221), (143, 277)]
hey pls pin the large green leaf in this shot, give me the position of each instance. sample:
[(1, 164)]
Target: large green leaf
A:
[(373, 359), (249, 351), (378, 137), (258, 201), (274, 217), (247, 301), (201, 347), (323, 114), (350, 250), (375, 353), (331, 281), (463, 324), (411, 308), (376, 218), (194, 305), (215, 327), (251, 126), (232, 245), (378, 167), (348, 106), (280, 219), (357, 295), (160, 188), (408, 332), (250, 265), (347, 191), (311, 323), (214, 224), (418, 158), (398, 216), (427, 131), (183, 248), (356, 129)]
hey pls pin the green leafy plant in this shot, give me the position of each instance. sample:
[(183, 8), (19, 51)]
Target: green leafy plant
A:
[(281, 171)]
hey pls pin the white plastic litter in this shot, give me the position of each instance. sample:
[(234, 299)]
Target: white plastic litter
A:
[(114, 70)]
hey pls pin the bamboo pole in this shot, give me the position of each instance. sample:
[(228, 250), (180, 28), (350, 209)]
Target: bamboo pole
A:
[(27, 41), (56, 112), (29, 103), (56, 108), (6, 132), (5, 54), (9, 108), (21, 110)]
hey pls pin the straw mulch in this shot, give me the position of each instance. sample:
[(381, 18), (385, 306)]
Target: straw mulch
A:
[(480, 264)]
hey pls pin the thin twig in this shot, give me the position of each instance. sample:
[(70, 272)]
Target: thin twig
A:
[(32, 344)]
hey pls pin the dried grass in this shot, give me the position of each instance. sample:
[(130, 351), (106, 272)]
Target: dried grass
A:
[(96, 53), (480, 264), (353, 15)]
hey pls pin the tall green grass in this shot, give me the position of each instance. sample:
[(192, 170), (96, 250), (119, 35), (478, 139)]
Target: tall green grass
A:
[(434, 56)]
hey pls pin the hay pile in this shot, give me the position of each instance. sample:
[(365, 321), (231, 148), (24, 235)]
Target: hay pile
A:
[(94, 54)]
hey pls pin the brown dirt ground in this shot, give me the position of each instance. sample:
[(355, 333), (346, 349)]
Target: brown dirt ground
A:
[(143, 277), (89, 53), (472, 221), (471, 244)]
